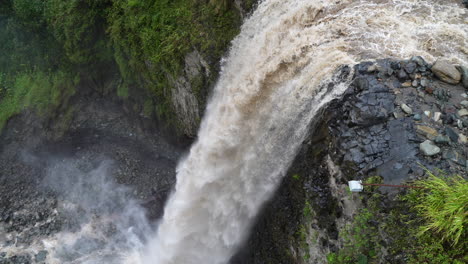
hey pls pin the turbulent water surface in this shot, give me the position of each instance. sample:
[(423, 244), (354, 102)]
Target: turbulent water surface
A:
[(272, 83)]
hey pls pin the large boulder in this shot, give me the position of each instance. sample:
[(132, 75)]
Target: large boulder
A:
[(446, 72)]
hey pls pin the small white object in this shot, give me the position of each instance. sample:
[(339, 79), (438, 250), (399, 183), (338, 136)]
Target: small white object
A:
[(427, 113), (437, 116), (355, 186)]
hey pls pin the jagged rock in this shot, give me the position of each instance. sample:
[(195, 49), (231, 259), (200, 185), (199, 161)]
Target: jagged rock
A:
[(428, 148), (446, 72), (451, 134)]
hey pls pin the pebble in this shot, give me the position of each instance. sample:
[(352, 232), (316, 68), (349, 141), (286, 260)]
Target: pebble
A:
[(441, 139), (424, 82), (464, 103), (460, 124), (463, 112), (406, 109), (437, 116), (417, 117), (406, 84), (428, 148), (462, 139), (427, 113), (414, 83)]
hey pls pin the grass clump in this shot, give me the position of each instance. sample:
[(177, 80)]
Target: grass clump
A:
[(444, 207)]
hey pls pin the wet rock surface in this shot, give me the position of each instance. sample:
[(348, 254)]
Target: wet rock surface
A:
[(376, 128), (47, 184)]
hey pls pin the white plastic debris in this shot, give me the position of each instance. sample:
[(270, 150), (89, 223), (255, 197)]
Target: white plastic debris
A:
[(355, 186)]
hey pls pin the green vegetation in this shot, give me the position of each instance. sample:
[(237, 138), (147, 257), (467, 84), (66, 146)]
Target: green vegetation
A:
[(141, 42), (38, 91), (422, 226), (444, 207)]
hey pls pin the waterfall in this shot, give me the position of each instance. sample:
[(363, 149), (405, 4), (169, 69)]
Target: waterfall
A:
[(272, 84)]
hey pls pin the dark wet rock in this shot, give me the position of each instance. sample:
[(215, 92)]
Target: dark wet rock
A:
[(440, 139), (420, 61), (410, 67), (451, 134), (402, 75), (446, 72)]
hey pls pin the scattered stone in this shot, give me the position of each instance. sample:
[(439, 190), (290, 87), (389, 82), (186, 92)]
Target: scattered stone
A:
[(462, 112), (417, 117), (424, 82), (406, 84), (453, 156), (446, 72), (427, 113), (429, 132), (419, 60), (437, 116), (451, 134), (464, 95), (410, 67), (442, 94), (460, 124), (406, 109), (415, 83), (462, 139), (441, 139), (402, 75), (395, 114), (464, 73), (464, 103), (428, 148)]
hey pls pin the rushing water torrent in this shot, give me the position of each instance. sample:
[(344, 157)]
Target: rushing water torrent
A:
[(270, 88)]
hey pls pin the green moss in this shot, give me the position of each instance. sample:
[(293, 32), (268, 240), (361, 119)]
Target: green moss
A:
[(39, 91)]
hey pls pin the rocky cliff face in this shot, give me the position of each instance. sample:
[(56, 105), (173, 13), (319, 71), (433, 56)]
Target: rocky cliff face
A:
[(395, 119)]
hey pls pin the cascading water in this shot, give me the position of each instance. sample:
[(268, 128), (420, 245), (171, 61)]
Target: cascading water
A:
[(271, 86)]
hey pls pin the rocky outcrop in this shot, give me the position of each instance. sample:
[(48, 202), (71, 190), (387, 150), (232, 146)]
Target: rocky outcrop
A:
[(186, 98), (395, 119)]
